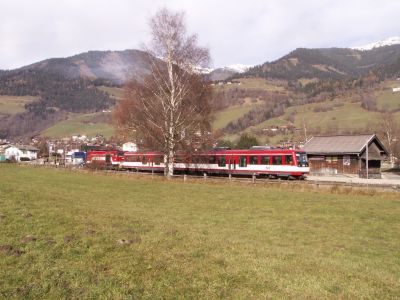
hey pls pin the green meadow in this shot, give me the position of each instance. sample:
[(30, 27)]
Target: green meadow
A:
[(78, 235)]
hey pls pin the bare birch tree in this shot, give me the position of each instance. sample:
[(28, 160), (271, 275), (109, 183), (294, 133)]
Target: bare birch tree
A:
[(169, 107), (390, 131)]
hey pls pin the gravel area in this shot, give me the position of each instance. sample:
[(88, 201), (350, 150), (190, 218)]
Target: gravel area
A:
[(387, 179)]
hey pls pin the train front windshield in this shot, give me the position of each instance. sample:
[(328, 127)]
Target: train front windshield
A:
[(302, 159)]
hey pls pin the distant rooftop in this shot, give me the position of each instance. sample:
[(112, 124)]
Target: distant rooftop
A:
[(334, 144), (25, 147)]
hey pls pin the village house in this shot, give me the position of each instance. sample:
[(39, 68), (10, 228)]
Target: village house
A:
[(129, 146), (396, 90), (21, 152), (346, 154)]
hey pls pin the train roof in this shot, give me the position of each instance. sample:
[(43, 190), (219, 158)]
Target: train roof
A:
[(226, 152)]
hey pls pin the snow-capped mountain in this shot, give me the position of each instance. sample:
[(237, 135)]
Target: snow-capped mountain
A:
[(386, 42), (228, 71), (201, 70), (235, 68), (238, 68)]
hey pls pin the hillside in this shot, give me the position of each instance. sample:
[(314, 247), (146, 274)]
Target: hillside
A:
[(48, 99), (343, 113), (54, 97), (329, 63), (114, 66)]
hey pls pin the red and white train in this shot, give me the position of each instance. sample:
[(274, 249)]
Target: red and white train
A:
[(282, 163), (102, 158)]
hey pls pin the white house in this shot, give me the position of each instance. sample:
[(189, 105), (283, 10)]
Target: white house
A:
[(129, 146), (21, 152)]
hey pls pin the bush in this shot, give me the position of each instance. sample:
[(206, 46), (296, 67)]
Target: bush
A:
[(246, 141)]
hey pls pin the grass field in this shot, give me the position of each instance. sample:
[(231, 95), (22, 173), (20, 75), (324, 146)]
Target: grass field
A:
[(115, 92), (76, 235), (223, 117), (10, 105), (253, 84), (79, 124), (349, 116), (388, 100)]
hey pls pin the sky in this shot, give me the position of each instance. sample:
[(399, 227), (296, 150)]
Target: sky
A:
[(247, 32)]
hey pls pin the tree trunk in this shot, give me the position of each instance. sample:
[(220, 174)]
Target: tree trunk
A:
[(165, 164), (170, 163)]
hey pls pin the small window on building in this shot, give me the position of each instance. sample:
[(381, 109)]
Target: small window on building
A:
[(276, 160), (346, 160), (253, 160), (242, 161), (288, 159), (265, 160), (331, 159), (222, 161)]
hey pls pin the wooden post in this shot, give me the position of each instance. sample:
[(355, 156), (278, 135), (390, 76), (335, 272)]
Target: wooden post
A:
[(366, 161), (254, 177), (205, 176), (230, 176), (184, 177)]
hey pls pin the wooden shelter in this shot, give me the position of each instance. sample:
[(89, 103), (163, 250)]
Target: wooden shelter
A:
[(346, 154)]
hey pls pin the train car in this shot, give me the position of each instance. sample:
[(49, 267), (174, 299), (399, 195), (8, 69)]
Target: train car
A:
[(283, 163), (104, 158)]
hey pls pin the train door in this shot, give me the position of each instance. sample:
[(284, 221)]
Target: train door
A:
[(232, 163), (108, 159)]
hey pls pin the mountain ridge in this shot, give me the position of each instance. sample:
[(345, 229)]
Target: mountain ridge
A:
[(116, 66)]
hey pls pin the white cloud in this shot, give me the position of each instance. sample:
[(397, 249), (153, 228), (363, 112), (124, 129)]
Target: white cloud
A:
[(248, 32)]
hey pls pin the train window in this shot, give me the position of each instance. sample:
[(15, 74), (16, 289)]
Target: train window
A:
[(211, 160), (253, 160), (242, 161), (201, 159), (288, 159), (157, 160), (144, 160), (276, 160), (265, 160), (222, 161)]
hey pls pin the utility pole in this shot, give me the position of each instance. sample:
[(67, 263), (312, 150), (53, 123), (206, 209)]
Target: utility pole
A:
[(305, 131)]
